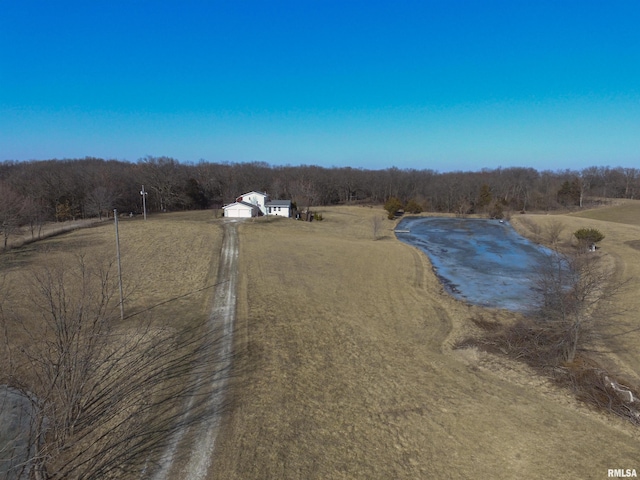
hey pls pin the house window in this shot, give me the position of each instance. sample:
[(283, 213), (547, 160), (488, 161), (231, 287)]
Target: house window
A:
[(269, 209)]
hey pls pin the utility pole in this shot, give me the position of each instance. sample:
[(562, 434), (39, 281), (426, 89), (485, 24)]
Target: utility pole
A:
[(144, 202), (115, 216)]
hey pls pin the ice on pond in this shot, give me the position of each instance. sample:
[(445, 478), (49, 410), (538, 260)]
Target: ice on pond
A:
[(15, 422), (484, 262)]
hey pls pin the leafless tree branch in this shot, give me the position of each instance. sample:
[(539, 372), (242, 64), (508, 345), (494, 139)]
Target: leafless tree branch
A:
[(106, 397)]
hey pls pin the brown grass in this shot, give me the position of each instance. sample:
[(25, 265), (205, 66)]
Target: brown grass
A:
[(346, 343), (352, 374), (622, 211), (168, 264), (622, 233)]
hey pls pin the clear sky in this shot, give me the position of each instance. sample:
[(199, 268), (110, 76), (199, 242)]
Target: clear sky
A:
[(444, 85)]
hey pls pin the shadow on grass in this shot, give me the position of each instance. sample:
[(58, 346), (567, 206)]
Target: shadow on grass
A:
[(633, 244), (22, 251)]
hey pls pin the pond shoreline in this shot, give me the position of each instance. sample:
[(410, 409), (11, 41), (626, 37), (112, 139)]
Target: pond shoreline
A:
[(480, 261), (15, 434)]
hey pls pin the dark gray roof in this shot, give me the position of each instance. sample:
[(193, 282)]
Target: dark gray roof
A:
[(278, 203)]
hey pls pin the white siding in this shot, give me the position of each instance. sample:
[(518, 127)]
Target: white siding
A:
[(238, 210), (279, 211), (256, 198)]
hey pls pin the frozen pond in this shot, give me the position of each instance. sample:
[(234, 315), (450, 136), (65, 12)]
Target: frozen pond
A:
[(484, 262), (15, 420)]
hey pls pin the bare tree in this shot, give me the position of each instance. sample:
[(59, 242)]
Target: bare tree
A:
[(34, 214), (304, 192), (164, 176), (548, 189), (11, 211), (554, 231), (572, 287), (99, 201), (106, 398), (67, 186), (631, 182), (462, 208)]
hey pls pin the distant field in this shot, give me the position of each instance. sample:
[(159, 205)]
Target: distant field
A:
[(346, 368), (625, 211)]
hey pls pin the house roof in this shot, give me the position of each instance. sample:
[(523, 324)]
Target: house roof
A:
[(279, 203), (252, 192), (244, 204)]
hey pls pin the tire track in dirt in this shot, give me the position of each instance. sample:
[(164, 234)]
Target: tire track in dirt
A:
[(443, 329), (444, 325), (221, 324), (418, 269)]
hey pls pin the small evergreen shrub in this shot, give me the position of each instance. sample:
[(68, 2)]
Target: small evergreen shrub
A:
[(588, 235), (413, 207), (392, 206)]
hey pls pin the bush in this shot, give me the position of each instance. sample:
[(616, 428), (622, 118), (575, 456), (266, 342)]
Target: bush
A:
[(496, 211), (392, 205), (588, 235), (413, 207)]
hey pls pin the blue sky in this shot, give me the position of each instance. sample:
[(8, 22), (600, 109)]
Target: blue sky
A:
[(444, 85)]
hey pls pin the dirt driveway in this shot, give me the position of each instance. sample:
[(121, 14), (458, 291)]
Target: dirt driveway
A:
[(201, 443)]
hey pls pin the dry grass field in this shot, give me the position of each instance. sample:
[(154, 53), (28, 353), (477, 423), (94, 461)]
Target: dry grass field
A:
[(166, 261), (346, 367), (169, 268), (621, 247), (349, 371)]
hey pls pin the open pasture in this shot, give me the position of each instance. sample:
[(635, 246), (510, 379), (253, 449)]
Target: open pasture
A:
[(345, 365), (127, 370), (168, 262), (351, 372)]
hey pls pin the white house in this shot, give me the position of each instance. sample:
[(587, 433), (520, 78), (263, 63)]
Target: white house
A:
[(255, 204), (281, 208), (241, 210), (259, 199)]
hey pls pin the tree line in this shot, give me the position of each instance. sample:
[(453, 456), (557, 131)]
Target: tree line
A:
[(58, 190)]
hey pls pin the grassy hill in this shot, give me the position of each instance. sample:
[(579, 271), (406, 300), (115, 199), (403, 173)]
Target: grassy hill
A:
[(349, 371), (345, 365)]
